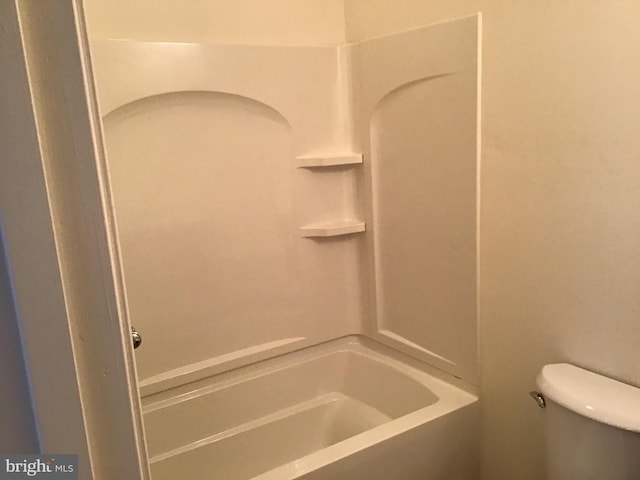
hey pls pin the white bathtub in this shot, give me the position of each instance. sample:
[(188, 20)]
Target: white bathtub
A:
[(345, 410)]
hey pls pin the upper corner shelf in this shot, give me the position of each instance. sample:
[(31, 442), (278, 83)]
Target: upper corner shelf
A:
[(329, 160)]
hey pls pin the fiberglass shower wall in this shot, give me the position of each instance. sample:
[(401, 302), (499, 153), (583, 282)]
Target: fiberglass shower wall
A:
[(273, 197)]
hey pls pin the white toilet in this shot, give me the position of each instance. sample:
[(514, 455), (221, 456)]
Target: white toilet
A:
[(592, 425)]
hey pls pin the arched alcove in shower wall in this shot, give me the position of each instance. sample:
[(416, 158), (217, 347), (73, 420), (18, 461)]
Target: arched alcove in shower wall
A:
[(222, 160), (419, 115), (202, 221)]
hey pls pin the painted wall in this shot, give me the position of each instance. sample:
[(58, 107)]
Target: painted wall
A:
[(17, 426), (224, 21), (560, 218)]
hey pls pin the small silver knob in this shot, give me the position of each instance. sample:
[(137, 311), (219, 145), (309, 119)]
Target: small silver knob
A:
[(539, 398), (137, 338)]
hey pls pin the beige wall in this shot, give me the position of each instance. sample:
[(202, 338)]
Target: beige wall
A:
[(373, 18), (560, 255), (225, 21), (17, 426)]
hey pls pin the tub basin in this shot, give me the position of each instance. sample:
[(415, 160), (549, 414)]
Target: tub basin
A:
[(346, 409)]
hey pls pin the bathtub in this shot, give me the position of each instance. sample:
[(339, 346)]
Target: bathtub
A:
[(344, 410)]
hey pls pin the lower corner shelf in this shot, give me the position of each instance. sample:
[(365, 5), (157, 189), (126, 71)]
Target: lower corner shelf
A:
[(335, 229)]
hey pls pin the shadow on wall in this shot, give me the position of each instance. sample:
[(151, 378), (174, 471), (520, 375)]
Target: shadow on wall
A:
[(18, 432)]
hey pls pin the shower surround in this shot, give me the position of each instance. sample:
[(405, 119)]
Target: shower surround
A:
[(300, 216)]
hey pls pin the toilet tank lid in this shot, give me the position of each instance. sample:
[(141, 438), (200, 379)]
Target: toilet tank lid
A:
[(591, 395)]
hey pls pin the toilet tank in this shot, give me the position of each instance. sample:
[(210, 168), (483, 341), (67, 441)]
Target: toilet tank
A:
[(592, 425)]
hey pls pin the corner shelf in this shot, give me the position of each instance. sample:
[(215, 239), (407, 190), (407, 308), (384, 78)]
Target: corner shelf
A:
[(344, 227), (329, 160)]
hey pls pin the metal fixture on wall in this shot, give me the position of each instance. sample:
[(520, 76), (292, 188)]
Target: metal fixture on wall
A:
[(539, 398), (137, 338)]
